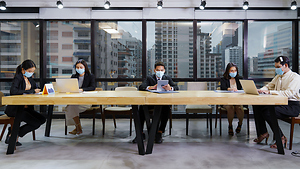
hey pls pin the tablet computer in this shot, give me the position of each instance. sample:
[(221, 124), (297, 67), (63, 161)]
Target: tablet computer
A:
[(162, 83)]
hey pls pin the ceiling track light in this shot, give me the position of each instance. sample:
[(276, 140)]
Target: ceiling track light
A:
[(293, 5), (3, 5), (159, 4), (59, 5), (107, 5), (202, 5), (245, 5), (36, 24)]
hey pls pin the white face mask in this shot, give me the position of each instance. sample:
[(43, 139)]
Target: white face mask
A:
[(159, 73)]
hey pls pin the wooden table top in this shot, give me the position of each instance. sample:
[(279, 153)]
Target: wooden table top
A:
[(146, 98), (214, 98), (96, 98)]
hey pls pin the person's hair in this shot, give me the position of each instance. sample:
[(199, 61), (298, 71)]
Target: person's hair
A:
[(230, 65), (87, 71), (159, 64), (283, 60), (27, 64)]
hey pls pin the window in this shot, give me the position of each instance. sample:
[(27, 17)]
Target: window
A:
[(67, 59), (67, 46), (73, 44), (83, 34), (67, 34), (182, 49), (218, 43), (67, 71), (15, 35), (54, 70), (267, 40), (83, 46), (53, 35), (125, 42), (53, 58)]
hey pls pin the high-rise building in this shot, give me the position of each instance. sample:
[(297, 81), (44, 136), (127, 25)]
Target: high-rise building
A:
[(234, 55), (172, 47), (277, 44), (207, 61), (229, 39), (151, 60), (19, 41)]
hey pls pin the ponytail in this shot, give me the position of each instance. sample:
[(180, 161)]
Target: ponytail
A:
[(27, 64), (18, 69)]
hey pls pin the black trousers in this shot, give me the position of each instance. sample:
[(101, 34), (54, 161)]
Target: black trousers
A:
[(33, 121), (164, 116), (262, 115)]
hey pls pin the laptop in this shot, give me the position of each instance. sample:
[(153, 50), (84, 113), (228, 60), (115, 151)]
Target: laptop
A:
[(67, 85), (249, 87)]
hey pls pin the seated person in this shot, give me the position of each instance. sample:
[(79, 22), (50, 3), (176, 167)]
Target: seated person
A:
[(23, 83), (230, 81), (151, 84), (285, 83), (86, 82)]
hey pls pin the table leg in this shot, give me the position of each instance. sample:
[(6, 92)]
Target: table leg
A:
[(49, 120), (138, 130), (210, 124), (276, 130), (15, 131), (153, 129), (147, 118)]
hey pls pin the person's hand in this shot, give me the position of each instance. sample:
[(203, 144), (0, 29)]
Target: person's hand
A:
[(263, 91), (37, 90), (80, 90), (167, 87), (153, 87), (232, 89)]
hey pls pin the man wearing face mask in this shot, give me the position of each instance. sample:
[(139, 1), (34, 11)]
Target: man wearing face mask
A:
[(285, 83), (151, 84)]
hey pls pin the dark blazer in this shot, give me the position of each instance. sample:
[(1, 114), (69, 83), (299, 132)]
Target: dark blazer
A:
[(89, 83), (18, 88), (151, 81), (225, 84)]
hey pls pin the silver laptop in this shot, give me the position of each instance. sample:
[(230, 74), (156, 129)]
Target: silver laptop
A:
[(67, 85), (249, 87)]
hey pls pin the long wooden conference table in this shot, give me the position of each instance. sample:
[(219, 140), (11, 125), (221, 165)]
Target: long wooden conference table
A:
[(135, 98)]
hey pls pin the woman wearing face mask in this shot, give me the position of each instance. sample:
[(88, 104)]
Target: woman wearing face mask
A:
[(230, 81), (24, 84), (86, 82)]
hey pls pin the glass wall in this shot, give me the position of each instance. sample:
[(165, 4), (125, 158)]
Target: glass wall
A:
[(172, 43), (218, 43), (19, 40), (67, 42), (266, 41), (118, 49)]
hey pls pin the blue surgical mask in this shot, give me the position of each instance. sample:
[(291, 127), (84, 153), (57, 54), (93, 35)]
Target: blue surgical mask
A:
[(80, 71), (27, 74), (232, 74), (159, 74), (279, 71)]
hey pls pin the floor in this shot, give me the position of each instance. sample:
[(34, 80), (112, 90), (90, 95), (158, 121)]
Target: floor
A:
[(115, 150)]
